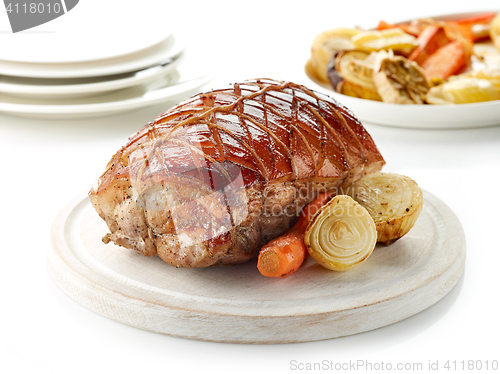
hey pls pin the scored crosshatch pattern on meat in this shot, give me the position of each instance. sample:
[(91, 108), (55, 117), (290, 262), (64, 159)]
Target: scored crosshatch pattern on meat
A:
[(212, 179)]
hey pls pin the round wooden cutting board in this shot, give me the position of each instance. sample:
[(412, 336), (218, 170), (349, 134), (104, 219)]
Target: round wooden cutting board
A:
[(236, 304)]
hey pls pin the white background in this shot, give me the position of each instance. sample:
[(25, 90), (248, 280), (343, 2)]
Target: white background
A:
[(46, 163)]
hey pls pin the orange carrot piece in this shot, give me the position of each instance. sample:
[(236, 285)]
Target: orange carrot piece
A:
[(284, 255), (430, 40), (406, 27), (457, 31), (465, 26), (447, 60)]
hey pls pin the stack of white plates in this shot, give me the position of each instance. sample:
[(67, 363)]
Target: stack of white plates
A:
[(97, 80)]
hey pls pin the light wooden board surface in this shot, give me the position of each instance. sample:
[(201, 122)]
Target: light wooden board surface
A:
[(236, 304)]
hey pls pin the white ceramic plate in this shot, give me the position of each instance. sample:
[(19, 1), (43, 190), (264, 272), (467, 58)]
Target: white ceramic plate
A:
[(116, 102), (83, 87), (416, 116), (70, 47), (166, 49)]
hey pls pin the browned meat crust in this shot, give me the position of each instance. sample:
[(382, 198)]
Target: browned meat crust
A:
[(214, 178)]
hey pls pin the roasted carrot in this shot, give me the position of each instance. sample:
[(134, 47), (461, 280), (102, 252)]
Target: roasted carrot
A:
[(447, 60), (382, 25), (429, 41), (466, 26), (484, 18), (283, 256), (406, 27)]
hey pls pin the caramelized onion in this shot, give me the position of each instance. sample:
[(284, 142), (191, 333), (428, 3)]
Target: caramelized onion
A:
[(394, 201)]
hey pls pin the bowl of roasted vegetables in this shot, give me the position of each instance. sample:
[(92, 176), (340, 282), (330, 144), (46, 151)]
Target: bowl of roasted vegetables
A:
[(447, 61)]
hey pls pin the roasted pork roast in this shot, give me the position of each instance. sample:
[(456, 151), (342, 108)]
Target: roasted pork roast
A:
[(217, 176)]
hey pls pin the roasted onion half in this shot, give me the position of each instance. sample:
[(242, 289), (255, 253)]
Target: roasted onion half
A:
[(341, 234), (351, 73), (327, 44), (401, 81), (394, 202)]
